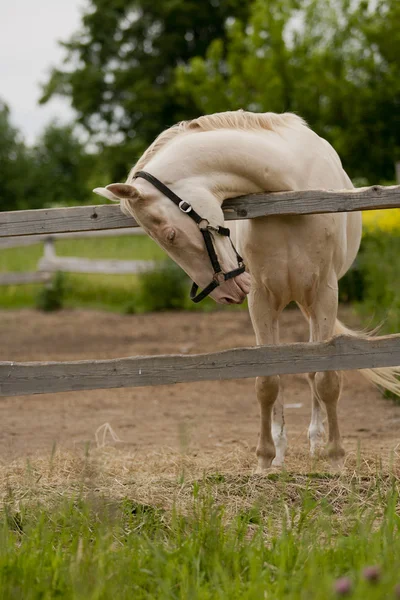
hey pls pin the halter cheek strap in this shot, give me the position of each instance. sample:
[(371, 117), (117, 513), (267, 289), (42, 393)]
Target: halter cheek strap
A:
[(206, 230)]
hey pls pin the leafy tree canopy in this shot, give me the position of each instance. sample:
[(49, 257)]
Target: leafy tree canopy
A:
[(56, 171), (120, 66), (16, 166), (136, 67), (62, 167), (334, 62)]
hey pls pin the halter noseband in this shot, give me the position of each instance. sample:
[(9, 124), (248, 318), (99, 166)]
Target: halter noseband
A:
[(206, 229)]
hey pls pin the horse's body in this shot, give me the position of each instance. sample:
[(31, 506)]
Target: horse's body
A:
[(289, 258)]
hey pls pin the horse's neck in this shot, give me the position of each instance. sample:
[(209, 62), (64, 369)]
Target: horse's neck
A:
[(227, 162), (230, 163)]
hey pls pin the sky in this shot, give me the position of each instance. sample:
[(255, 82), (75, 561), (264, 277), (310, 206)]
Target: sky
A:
[(29, 32)]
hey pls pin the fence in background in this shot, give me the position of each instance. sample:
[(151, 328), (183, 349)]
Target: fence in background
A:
[(51, 263)]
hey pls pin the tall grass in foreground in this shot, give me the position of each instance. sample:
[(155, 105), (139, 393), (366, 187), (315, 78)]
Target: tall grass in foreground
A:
[(289, 546)]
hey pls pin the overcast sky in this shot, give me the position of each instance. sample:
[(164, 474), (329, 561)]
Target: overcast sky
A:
[(29, 31)]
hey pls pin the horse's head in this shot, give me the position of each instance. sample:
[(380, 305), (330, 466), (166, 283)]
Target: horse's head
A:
[(183, 238)]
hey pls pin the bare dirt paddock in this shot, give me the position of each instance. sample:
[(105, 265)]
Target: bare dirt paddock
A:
[(207, 419)]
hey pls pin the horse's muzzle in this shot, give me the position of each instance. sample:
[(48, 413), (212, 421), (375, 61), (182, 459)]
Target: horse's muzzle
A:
[(233, 291)]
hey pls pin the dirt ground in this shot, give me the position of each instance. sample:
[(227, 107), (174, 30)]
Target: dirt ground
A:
[(210, 418)]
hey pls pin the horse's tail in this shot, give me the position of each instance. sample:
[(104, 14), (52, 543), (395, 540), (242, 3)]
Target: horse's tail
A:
[(383, 377)]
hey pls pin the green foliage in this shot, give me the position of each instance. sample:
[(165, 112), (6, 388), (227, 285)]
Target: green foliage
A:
[(135, 68), (51, 296), (333, 62), (289, 546), (381, 273), (16, 169), (165, 288), (126, 52), (121, 293), (104, 292), (61, 167), (56, 171), (352, 284), (373, 282)]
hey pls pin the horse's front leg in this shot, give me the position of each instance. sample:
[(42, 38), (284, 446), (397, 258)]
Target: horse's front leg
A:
[(272, 441)]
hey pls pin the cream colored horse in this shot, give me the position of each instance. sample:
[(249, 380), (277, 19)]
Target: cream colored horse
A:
[(295, 258)]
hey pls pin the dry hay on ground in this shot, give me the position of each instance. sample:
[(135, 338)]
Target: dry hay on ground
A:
[(167, 479)]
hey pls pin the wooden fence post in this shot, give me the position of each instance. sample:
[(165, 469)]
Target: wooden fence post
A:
[(397, 167), (49, 250)]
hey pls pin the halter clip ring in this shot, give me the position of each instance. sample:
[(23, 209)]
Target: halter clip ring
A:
[(185, 209)]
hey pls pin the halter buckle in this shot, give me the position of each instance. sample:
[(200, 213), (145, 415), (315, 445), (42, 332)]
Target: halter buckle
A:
[(185, 206), (219, 277)]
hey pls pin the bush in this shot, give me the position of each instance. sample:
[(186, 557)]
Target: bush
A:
[(352, 285), (380, 266), (51, 297), (165, 288), (372, 278)]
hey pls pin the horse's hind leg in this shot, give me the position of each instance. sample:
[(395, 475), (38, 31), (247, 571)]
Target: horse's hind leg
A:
[(316, 430), (272, 441), (326, 386)]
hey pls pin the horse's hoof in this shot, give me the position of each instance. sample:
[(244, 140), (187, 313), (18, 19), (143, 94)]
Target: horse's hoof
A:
[(318, 451), (336, 458), (336, 464), (260, 470)]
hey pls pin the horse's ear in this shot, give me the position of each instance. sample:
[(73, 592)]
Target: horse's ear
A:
[(106, 194), (123, 191)]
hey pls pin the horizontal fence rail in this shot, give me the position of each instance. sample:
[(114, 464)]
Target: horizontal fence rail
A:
[(340, 353), (51, 263), (31, 240), (106, 216), (23, 278), (72, 264)]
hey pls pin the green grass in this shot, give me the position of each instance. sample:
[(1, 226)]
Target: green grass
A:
[(89, 291), (110, 292), (107, 292), (287, 545)]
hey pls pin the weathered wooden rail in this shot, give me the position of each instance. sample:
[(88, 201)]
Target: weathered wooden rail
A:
[(106, 216), (24, 277), (341, 353), (51, 263), (31, 240)]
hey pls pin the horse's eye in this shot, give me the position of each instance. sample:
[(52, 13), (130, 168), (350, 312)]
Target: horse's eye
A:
[(170, 236)]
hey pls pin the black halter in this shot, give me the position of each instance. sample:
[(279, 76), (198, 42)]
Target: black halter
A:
[(206, 229)]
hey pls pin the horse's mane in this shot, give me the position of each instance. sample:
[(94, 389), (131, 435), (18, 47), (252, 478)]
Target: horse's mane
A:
[(234, 119)]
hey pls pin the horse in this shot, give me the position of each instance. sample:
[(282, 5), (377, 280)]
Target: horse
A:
[(190, 169)]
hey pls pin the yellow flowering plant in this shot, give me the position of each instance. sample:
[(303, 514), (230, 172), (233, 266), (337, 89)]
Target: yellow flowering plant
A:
[(387, 220)]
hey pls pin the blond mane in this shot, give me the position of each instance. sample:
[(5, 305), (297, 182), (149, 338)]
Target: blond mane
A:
[(234, 119)]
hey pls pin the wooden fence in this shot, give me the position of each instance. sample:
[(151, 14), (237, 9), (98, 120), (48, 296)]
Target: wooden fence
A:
[(340, 353), (51, 263)]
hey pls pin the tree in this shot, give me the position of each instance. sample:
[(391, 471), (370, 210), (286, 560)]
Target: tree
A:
[(333, 62), (56, 171), (63, 168), (16, 169), (120, 66)]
